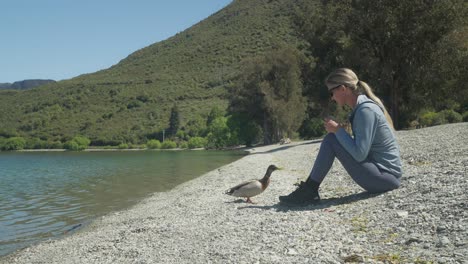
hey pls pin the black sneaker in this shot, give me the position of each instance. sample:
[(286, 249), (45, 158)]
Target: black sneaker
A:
[(304, 195)]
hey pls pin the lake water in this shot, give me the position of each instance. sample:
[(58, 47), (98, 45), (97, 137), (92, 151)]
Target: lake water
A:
[(45, 194)]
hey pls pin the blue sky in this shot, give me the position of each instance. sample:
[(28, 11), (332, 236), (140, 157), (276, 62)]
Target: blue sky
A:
[(61, 39)]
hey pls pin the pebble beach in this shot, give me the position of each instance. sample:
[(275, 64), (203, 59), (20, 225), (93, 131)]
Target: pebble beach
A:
[(424, 221)]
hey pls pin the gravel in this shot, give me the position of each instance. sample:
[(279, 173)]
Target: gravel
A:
[(424, 221)]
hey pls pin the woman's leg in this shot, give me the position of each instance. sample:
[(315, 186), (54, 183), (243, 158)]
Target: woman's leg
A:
[(365, 174)]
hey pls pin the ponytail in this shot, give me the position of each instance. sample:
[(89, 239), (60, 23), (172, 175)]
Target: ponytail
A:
[(369, 93)]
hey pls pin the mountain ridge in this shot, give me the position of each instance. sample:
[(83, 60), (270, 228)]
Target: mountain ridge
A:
[(25, 84)]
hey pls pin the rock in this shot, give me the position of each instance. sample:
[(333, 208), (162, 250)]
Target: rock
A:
[(292, 251), (353, 258), (443, 242), (402, 214)]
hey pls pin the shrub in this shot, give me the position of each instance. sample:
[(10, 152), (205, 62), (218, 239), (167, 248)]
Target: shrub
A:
[(153, 144), (197, 142), (14, 143), (312, 128), (431, 119), (54, 144), (77, 143), (36, 143), (82, 141), (168, 144), (465, 116), (123, 146), (451, 116), (183, 145), (72, 145), (439, 119), (134, 104), (105, 142), (181, 135)]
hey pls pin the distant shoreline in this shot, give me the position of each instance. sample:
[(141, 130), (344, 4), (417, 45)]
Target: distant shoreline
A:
[(240, 148), (85, 150)]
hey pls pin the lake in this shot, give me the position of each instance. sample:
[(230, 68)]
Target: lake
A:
[(45, 194)]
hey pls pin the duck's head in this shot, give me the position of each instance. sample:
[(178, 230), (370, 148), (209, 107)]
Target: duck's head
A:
[(272, 168)]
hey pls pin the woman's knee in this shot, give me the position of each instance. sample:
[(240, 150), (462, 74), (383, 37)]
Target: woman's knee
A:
[(329, 139)]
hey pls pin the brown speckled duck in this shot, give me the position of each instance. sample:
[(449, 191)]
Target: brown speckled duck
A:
[(253, 187)]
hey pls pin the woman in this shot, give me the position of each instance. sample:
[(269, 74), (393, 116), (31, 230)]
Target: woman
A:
[(371, 156)]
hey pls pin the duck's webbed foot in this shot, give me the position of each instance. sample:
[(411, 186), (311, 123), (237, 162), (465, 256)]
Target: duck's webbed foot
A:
[(249, 201)]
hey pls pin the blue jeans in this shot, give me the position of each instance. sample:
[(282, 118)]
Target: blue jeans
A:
[(366, 174)]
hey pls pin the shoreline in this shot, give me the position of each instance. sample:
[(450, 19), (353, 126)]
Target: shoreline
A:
[(240, 148), (424, 220)]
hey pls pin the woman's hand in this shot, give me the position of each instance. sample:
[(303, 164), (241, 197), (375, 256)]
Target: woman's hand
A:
[(331, 126)]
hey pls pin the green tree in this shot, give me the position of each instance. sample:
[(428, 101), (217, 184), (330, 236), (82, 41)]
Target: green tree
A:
[(409, 51), (244, 129), (196, 127), (441, 85), (270, 91), (321, 25), (174, 121), (219, 135), (396, 41), (215, 112)]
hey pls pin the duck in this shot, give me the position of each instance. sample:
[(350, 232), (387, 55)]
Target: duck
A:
[(252, 188)]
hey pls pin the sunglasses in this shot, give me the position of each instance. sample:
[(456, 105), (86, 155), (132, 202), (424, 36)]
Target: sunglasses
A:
[(332, 89)]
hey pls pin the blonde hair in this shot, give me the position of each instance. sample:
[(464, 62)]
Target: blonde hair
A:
[(348, 78)]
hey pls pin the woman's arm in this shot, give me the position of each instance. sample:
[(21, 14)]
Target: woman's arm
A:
[(364, 129)]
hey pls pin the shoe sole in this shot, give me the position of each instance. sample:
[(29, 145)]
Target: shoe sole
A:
[(291, 204)]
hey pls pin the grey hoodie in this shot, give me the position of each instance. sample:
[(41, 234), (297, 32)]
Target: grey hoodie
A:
[(373, 139)]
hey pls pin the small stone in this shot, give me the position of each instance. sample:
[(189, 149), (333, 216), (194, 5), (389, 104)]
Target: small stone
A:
[(460, 244), (353, 258), (413, 240), (443, 242), (401, 229), (402, 214), (440, 229), (292, 251)]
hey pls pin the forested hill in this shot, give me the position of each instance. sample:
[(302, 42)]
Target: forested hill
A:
[(134, 97), (274, 54)]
